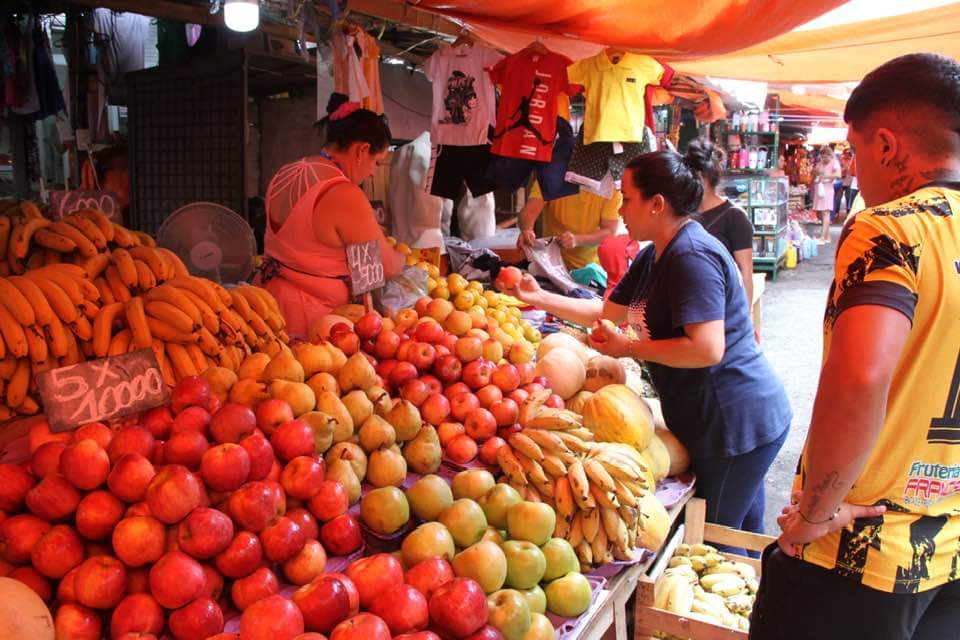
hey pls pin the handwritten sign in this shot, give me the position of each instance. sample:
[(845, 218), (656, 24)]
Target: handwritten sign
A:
[(101, 389), (366, 266), (63, 203)]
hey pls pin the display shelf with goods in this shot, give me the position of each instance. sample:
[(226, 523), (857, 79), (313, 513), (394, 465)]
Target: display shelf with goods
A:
[(765, 199)]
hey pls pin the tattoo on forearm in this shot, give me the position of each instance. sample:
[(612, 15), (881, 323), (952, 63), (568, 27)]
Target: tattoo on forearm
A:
[(830, 482)]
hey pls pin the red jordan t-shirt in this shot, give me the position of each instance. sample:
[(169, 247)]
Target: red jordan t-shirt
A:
[(527, 116)]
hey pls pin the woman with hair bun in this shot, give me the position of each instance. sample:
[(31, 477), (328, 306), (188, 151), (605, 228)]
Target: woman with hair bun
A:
[(724, 220), (683, 299), (315, 208)]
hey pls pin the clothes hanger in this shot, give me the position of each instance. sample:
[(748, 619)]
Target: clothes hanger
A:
[(614, 54), (537, 47), (463, 39)]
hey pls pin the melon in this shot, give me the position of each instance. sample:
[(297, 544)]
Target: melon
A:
[(659, 458), (679, 457), (564, 370), (604, 370), (23, 615), (617, 414), (576, 403), (564, 341), (654, 522)]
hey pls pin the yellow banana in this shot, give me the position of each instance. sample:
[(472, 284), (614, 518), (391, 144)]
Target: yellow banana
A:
[(50, 257), (30, 210), (16, 302), (210, 319), (209, 344), (258, 304), (553, 419), (177, 298), (173, 316), (103, 327), (121, 293), (153, 260), (37, 260), (137, 321), (572, 442), (545, 487), (561, 529), (198, 357), (89, 229), (580, 486), (624, 495), (100, 219), (585, 555), (183, 365), (54, 241), (94, 266), (203, 288), (8, 364), (83, 329), (598, 475), (533, 471), (174, 262), (583, 433), (609, 518), (590, 521), (20, 242), (563, 497), (106, 293), (575, 536), (146, 279), (122, 259), (511, 466), (553, 465), (530, 406), (168, 333), (56, 335), (123, 237), (36, 344), (145, 238), (13, 334), (120, 342), (604, 499), (548, 441), (526, 446), (237, 325), (86, 248), (19, 383)]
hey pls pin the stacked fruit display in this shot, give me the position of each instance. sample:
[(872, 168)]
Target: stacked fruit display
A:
[(703, 583)]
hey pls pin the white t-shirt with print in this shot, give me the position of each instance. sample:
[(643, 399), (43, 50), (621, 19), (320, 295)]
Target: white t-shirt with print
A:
[(464, 100)]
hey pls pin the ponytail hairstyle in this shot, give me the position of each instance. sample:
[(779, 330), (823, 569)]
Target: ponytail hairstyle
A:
[(347, 123), (668, 173), (705, 158)]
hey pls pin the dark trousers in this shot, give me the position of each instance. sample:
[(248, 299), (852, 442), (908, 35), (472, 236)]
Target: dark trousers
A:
[(802, 601), (847, 194), (733, 487)]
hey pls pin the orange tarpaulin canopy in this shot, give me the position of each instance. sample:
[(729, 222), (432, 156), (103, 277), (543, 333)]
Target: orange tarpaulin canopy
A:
[(671, 29), (838, 54)]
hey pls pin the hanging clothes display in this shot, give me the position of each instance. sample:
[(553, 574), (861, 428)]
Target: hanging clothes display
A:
[(371, 72), (13, 68), (48, 87), (348, 77), (30, 101), (665, 80)]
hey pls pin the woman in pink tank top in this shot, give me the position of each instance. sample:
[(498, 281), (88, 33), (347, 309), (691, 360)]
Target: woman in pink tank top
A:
[(315, 208)]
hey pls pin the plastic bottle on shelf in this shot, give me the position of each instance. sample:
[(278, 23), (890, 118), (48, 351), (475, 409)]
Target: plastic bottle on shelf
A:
[(735, 123), (764, 120), (762, 158), (753, 123), (753, 158)]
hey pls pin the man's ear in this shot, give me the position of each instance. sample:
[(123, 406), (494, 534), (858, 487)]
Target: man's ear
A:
[(889, 145)]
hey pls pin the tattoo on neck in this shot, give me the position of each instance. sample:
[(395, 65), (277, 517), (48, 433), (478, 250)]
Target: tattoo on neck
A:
[(908, 183), (902, 186), (901, 163), (940, 174)]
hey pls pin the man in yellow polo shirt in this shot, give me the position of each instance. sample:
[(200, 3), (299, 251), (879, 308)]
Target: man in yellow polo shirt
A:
[(580, 222)]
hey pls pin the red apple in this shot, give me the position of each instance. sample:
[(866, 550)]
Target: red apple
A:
[(477, 373), (428, 575), (435, 409), (191, 419), (486, 632), (374, 575), (458, 608), (430, 332), (66, 590), (282, 539), (254, 505), (433, 384), (519, 396), (302, 478), (131, 440), (403, 608), (225, 467), (100, 582), (415, 390), (533, 387), (507, 377), (307, 564), (97, 515), (330, 501), (526, 371), (204, 533), (505, 412), (341, 536), (421, 306), (489, 449), (53, 498), (19, 534), (273, 618), (352, 593), (232, 423), (448, 368), (386, 345), (85, 464), (447, 431), (186, 448), (340, 327), (174, 493), (77, 623), (507, 431), (292, 439), (40, 433), (480, 425), (462, 405), (489, 394), (419, 635), (363, 626), (260, 584), (138, 581), (213, 583), (192, 391), (442, 350), (461, 449), (325, 602), (385, 367), (130, 477), (508, 278), (455, 389), (29, 576), (346, 341), (197, 621), (271, 413), (422, 355), (555, 402), (139, 540), (241, 557), (158, 422), (306, 521), (176, 579), (402, 372), (261, 455), (369, 325), (450, 342), (541, 380), (137, 613), (97, 431), (57, 552), (406, 343), (46, 460)]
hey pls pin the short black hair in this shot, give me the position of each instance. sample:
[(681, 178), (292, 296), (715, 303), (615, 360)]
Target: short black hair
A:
[(706, 158), (913, 82), (670, 175), (362, 125)]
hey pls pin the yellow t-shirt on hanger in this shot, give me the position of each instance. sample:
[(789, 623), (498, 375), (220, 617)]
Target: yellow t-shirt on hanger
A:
[(614, 95)]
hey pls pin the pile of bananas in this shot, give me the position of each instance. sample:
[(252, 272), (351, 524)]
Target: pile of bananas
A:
[(603, 492), (702, 583)]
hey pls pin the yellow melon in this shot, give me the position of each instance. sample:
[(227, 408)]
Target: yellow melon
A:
[(679, 457), (603, 370), (617, 414)]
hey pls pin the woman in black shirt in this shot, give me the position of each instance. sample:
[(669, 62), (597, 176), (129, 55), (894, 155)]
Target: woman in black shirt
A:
[(725, 221)]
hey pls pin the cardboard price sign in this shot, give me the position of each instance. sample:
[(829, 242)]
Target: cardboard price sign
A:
[(366, 266), (63, 203), (102, 389)]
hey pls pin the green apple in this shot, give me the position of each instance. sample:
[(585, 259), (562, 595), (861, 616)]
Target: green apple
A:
[(472, 483), (540, 628), (509, 613), (485, 563), (429, 540), (385, 510), (569, 596), (531, 521), (561, 559), (525, 564), (465, 521), (536, 598), (497, 502), (429, 496), (493, 535)]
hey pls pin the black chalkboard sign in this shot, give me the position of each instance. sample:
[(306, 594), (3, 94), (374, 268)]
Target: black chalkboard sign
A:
[(366, 266), (102, 389)]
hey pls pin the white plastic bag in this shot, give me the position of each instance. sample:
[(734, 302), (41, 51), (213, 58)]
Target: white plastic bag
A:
[(547, 261)]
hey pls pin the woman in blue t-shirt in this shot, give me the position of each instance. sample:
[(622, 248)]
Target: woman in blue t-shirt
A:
[(684, 300)]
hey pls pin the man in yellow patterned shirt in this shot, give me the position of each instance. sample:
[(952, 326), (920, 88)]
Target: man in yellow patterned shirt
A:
[(870, 547)]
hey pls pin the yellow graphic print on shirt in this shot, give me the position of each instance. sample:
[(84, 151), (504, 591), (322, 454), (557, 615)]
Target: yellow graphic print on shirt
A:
[(906, 255)]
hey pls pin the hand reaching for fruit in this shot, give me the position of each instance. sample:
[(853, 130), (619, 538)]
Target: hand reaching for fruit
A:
[(608, 340), (521, 285)]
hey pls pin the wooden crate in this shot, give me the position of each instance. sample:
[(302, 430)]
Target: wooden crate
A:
[(649, 619)]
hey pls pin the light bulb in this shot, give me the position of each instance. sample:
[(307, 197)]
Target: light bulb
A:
[(241, 15)]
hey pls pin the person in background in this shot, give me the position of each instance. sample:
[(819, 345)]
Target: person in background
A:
[(315, 208), (724, 220), (825, 172), (871, 540), (580, 222), (683, 299), (848, 186)]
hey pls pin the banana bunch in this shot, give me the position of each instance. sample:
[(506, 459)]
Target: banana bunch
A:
[(598, 489), (702, 583)]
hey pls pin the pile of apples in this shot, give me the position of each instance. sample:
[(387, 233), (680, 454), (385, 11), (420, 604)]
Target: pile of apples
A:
[(177, 516), (467, 383)]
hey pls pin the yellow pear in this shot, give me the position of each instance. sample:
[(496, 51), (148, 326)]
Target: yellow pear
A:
[(382, 403), (330, 403), (359, 406), (341, 471), (323, 426), (386, 468), (349, 452), (405, 418), (321, 382), (248, 392), (313, 358), (221, 381), (423, 453), (252, 367), (337, 357), (299, 396), (284, 366), (357, 373), (376, 433)]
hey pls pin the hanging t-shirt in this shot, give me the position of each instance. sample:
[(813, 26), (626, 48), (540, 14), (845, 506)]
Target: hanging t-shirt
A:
[(531, 82), (615, 93), (464, 101)]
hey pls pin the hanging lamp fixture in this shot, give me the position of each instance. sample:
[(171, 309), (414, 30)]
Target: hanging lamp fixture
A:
[(241, 15)]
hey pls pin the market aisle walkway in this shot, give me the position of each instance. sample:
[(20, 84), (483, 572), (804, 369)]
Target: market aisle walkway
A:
[(793, 341)]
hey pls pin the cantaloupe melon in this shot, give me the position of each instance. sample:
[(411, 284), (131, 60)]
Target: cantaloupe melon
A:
[(23, 615), (564, 370), (679, 457), (659, 458), (603, 370), (565, 341)]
